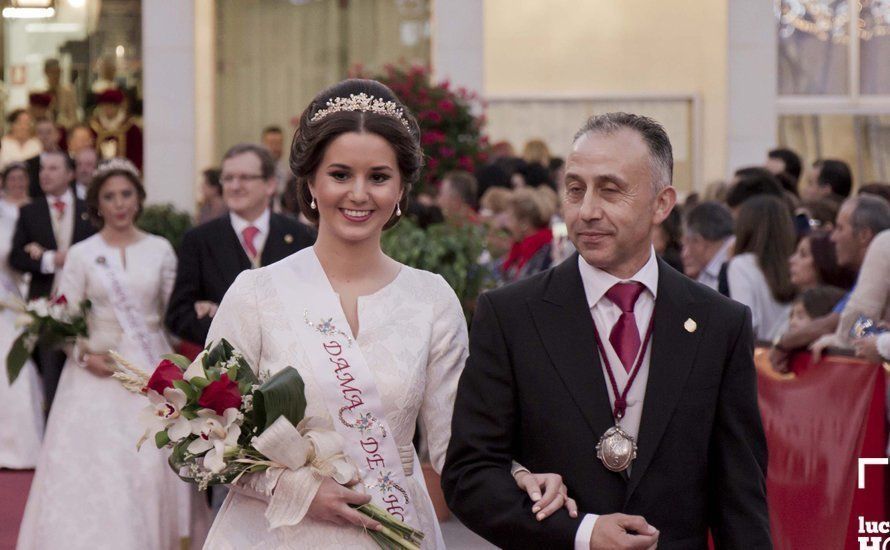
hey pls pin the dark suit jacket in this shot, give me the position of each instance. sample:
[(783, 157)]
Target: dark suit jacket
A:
[(35, 226), (211, 256), (533, 390), (34, 189)]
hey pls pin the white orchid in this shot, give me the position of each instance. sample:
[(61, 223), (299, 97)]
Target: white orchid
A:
[(165, 413), (39, 307), (196, 368), (216, 434)]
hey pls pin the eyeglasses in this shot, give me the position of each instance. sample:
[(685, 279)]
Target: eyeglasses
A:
[(229, 179)]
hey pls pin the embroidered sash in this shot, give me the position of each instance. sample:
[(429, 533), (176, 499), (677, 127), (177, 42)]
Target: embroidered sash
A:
[(151, 342), (347, 383)]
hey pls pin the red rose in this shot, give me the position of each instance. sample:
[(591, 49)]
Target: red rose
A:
[(446, 152), (220, 395), (446, 106), (162, 378), (432, 137), (465, 163), (61, 300)]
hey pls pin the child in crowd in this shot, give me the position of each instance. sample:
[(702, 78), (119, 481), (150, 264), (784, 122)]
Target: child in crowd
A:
[(812, 303)]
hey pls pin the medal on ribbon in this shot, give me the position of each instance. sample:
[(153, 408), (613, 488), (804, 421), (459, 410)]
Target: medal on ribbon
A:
[(617, 449)]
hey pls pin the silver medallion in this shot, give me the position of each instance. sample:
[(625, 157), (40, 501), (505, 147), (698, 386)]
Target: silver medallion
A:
[(616, 449)]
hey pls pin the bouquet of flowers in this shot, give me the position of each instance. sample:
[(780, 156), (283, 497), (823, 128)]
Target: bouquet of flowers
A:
[(52, 320), (215, 414)]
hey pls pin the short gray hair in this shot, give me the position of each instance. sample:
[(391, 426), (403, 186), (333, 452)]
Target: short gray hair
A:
[(267, 163), (711, 221), (653, 133), (870, 212)]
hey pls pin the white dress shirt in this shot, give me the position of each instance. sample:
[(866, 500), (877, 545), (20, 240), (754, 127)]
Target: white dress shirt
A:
[(63, 229), (239, 224), (710, 275), (605, 315)]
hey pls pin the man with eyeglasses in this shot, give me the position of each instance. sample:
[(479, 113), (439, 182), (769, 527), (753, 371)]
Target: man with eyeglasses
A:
[(250, 235)]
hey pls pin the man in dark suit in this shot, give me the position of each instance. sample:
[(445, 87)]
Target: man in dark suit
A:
[(250, 235), (649, 413), (46, 229)]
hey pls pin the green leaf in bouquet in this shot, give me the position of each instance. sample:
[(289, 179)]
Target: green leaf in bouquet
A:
[(190, 411), (178, 360), (232, 372), (245, 373), (218, 353), (282, 395), (162, 439), (17, 357), (243, 387), (190, 393), (199, 382)]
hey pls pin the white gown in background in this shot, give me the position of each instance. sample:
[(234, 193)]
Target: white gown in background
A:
[(413, 336), (92, 489), (21, 415)]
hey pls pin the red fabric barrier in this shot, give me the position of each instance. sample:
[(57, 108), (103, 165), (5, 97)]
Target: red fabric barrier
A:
[(818, 422)]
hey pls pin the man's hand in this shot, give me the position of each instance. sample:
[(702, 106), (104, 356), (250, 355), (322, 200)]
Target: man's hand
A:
[(59, 258), (618, 531), (34, 250), (205, 309), (867, 348)]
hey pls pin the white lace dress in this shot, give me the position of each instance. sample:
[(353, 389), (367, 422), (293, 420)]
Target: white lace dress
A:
[(21, 416), (92, 489), (414, 337)]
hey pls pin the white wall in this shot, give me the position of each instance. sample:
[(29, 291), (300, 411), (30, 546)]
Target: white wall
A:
[(168, 50)]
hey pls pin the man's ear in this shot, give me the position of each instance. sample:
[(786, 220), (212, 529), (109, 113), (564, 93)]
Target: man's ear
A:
[(665, 201)]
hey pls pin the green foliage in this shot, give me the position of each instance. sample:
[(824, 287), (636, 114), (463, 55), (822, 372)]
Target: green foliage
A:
[(451, 251), (450, 130), (164, 220)]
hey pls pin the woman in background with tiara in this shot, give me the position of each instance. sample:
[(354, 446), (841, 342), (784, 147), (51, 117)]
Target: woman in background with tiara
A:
[(91, 488), (21, 416)]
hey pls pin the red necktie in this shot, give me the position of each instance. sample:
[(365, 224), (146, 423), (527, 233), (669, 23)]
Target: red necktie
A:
[(60, 208), (625, 336), (249, 233)]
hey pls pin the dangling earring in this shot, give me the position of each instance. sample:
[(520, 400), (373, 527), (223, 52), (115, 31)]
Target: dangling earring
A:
[(398, 210), (312, 204)]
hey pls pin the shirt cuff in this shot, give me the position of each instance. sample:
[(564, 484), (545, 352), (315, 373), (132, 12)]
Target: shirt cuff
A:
[(585, 532), (48, 262), (883, 345)]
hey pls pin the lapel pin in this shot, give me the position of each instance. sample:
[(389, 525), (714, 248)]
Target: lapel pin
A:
[(690, 325), (85, 216), (288, 238)]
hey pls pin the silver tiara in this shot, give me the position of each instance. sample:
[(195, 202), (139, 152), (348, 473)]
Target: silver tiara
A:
[(117, 164), (362, 102)]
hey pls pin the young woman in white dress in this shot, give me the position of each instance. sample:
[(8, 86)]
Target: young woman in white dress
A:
[(92, 489), (356, 155), (21, 416)]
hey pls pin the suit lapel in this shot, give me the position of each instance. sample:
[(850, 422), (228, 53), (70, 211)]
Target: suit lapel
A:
[(230, 255), (566, 327), (45, 223), (673, 353), (82, 222), (275, 248)]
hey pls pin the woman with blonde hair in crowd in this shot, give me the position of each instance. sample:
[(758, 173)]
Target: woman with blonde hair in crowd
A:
[(536, 152)]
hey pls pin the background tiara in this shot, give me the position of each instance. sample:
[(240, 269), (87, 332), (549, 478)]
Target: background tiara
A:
[(362, 102), (117, 163)]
